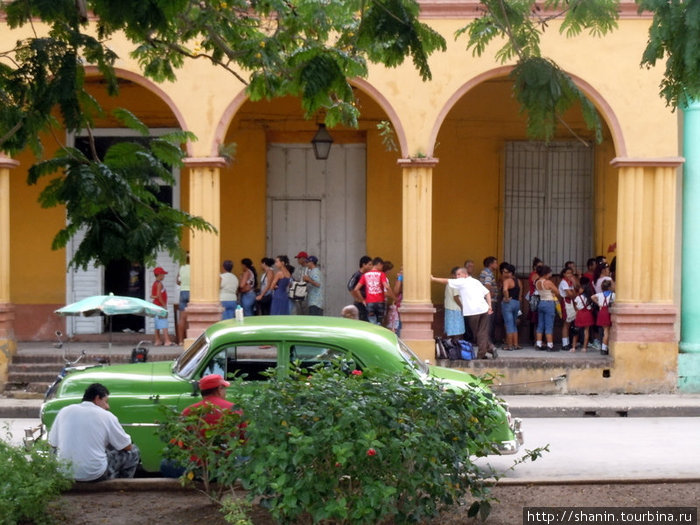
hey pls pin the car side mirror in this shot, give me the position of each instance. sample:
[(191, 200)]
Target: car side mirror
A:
[(195, 387)]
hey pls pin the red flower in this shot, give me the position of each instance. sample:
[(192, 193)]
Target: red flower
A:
[(357, 372), (371, 452)]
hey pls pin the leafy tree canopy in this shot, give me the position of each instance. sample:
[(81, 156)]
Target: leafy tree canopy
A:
[(303, 48), (675, 35), (544, 91)]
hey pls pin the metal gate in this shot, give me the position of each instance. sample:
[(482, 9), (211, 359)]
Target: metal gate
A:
[(548, 203)]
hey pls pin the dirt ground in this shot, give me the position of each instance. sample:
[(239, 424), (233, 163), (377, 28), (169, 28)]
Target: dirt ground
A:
[(178, 507)]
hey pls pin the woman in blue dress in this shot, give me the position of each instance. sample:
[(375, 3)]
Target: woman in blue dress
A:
[(283, 274)]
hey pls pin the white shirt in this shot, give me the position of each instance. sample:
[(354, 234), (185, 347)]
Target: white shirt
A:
[(81, 433), (563, 287), (598, 285), (472, 294)]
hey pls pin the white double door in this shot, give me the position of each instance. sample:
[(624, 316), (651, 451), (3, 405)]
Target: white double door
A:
[(319, 207), (91, 281)]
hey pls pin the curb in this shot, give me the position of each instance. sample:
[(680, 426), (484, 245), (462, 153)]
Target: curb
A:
[(174, 485), (603, 411), (552, 407)]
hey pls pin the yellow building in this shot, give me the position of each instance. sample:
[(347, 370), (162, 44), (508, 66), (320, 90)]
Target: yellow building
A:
[(466, 182)]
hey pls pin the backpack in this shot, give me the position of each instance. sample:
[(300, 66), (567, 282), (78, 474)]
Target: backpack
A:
[(453, 350), (534, 301), (466, 350), (297, 291)]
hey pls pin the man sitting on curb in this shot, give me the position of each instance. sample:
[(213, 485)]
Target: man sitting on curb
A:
[(90, 437)]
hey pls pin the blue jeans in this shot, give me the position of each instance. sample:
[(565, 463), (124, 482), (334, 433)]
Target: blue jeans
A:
[(509, 310), (184, 300), (229, 309), (248, 302), (545, 317)]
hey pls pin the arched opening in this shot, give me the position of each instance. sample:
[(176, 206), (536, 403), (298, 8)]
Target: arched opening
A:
[(278, 199), (496, 192)]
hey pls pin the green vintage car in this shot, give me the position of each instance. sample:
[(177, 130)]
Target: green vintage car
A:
[(249, 348)]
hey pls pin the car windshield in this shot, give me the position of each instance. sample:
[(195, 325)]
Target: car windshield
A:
[(189, 360), (412, 359)]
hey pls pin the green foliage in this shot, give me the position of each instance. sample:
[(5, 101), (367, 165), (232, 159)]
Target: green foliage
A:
[(201, 444), (346, 447), (30, 481), (386, 132), (113, 201), (548, 93), (306, 48), (544, 91), (674, 34)]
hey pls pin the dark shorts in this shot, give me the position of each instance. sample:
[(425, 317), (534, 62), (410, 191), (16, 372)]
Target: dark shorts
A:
[(375, 312), (315, 310)]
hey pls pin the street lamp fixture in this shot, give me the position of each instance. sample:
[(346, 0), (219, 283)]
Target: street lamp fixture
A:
[(322, 143)]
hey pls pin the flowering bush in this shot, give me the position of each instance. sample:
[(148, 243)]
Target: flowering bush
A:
[(363, 448), (348, 447)]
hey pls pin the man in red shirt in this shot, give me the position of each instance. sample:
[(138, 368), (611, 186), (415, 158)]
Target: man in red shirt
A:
[(213, 390), (377, 287), (209, 410)]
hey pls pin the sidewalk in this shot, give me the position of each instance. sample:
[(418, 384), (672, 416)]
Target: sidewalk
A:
[(544, 405)]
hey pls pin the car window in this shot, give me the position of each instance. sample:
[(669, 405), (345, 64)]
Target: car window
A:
[(190, 359), (246, 361), (312, 355)]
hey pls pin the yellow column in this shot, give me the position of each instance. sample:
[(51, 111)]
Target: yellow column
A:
[(644, 339), (417, 309), (8, 345), (205, 197)]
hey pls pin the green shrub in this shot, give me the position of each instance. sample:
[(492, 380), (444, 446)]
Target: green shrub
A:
[(30, 480), (339, 447), (364, 448)]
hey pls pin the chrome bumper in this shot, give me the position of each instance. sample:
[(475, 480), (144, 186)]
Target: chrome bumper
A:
[(512, 446), (32, 435)]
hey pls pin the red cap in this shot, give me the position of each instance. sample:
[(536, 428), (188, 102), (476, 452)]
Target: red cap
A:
[(302, 254), (212, 381), (159, 271)]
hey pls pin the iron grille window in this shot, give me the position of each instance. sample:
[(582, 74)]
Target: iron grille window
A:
[(548, 203)]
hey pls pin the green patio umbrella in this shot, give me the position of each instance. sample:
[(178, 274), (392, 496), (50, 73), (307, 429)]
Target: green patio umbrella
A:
[(109, 305)]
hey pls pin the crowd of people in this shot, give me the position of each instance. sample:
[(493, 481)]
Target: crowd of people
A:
[(282, 289), (473, 305)]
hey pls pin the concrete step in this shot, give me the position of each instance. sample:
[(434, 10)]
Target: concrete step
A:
[(33, 367), (22, 395), (37, 387), (42, 376)]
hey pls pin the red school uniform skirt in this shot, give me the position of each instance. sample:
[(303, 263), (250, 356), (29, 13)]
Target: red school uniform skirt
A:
[(584, 318)]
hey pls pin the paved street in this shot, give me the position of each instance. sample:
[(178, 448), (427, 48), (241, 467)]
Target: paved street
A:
[(608, 449), (12, 430), (580, 448)]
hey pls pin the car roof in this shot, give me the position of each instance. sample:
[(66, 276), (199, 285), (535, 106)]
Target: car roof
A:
[(347, 332), (293, 326)]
